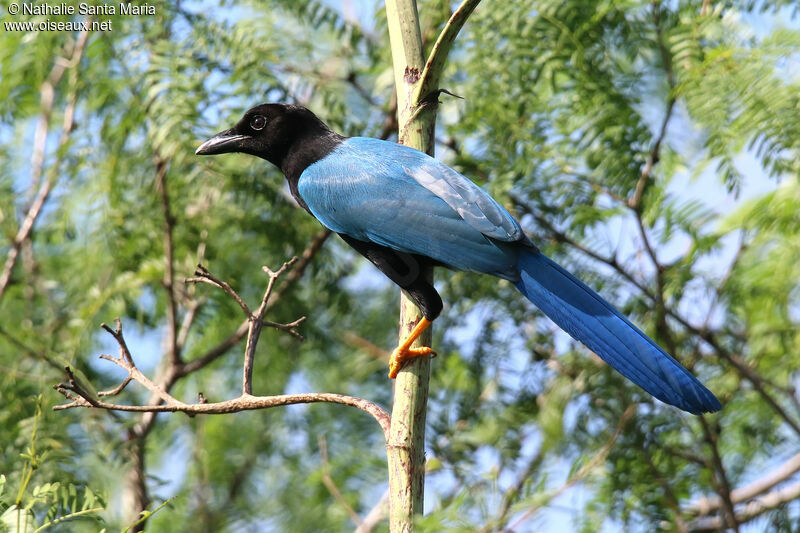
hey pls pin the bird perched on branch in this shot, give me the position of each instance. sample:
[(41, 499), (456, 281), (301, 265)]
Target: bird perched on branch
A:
[(404, 210)]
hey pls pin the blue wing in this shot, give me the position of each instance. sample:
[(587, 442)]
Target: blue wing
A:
[(395, 196)]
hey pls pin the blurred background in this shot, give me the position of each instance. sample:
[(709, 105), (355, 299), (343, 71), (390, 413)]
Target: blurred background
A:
[(653, 148)]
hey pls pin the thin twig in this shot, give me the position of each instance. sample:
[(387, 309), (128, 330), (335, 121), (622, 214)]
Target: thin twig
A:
[(432, 73), (30, 351), (204, 276), (327, 480), (174, 350), (375, 515), (116, 390), (584, 471), (79, 395), (125, 360), (124, 352), (37, 158), (719, 478), (706, 506), (752, 509), (233, 339), (254, 329), (288, 328)]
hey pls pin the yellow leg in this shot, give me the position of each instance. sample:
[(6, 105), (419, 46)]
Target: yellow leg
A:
[(404, 352)]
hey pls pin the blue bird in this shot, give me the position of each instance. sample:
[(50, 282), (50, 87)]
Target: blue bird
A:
[(404, 210)]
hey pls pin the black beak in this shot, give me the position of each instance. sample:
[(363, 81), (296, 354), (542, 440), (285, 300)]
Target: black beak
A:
[(223, 142)]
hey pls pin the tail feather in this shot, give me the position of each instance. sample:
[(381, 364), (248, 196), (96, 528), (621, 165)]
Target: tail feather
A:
[(588, 318)]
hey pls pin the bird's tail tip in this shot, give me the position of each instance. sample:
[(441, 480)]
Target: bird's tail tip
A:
[(588, 318)]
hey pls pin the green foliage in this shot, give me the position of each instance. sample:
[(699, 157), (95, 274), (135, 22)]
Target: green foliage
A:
[(39, 507)]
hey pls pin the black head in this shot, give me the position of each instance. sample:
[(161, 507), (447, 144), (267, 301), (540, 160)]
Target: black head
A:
[(282, 134)]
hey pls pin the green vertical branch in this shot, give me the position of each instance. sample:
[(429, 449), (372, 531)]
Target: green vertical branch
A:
[(405, 448), (416, 83)]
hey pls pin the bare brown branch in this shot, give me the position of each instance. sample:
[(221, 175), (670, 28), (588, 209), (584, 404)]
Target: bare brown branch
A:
[(125, 361), (707, 505), (37, 158), (116, 390), (289, 328), (233, 339), (719, 479), (511, 495), (254, 328), (376, 515), (80, 396), (242, 403), (635, 201), (204, 276), (752, 509), (327, 480), (174, 353), (583, 472)]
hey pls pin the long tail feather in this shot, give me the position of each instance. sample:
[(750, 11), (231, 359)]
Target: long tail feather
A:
[(583, 314)]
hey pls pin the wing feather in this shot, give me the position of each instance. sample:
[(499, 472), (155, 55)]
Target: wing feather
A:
[(396, 196)]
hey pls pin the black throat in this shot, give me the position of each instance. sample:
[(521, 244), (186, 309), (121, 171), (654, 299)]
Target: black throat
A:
[(307, 141), (308, 148)]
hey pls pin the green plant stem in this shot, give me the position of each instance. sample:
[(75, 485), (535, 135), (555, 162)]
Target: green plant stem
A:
[(441, 49), (31, 462), (70, 516), (405, 447), (415, 80)]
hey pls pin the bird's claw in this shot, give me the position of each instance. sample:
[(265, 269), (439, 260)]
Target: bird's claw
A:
[(400, 356)]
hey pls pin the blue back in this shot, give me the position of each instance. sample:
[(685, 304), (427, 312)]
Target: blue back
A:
[(395, 196)]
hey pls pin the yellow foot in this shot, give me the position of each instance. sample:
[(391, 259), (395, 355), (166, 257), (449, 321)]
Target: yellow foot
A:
[(400, 356)]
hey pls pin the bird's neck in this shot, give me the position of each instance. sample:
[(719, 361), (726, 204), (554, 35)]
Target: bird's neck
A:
[(306, 149)]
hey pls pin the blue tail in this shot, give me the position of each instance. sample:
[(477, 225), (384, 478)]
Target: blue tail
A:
[(583, 314)]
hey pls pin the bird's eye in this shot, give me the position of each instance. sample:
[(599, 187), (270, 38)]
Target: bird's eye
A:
[(258, 122)]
